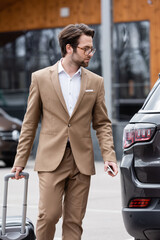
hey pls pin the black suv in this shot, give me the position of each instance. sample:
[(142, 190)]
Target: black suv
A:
[(140, 170)]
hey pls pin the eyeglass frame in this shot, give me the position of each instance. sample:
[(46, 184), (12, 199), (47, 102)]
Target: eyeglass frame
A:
[(91, 50)]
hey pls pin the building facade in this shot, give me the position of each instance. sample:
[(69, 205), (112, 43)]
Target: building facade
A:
[(28, 42)]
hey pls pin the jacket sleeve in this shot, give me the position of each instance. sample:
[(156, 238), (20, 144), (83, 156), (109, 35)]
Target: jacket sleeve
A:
[(102, 125), (29, 126)]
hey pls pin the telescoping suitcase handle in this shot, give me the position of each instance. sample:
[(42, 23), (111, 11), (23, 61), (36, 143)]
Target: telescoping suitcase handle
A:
[(24, 208)]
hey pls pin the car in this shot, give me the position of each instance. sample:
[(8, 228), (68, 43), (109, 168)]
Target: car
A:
[(140, 170), (9, 135)]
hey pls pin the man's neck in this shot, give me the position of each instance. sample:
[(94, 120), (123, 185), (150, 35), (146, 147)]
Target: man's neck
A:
[(69, 67)]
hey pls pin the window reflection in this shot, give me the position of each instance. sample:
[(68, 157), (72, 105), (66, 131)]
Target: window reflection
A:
[(22, 53), (131, 55)]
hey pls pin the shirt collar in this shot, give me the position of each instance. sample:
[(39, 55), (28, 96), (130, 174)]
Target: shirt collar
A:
[(61, 69)]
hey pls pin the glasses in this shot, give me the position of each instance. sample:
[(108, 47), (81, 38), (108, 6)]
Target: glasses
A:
[(88, 50)]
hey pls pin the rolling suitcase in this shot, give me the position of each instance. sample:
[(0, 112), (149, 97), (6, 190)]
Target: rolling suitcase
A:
[(16, 228)]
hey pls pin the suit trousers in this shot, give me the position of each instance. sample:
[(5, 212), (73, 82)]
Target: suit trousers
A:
[(63, 192)]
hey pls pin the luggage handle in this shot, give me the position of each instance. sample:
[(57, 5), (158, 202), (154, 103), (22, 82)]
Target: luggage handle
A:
[(24, 208), (10, 175)]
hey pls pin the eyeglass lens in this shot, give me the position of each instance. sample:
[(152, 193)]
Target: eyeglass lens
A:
[(88, 51)]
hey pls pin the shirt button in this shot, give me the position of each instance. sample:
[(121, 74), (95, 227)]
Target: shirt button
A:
[(69, 125)]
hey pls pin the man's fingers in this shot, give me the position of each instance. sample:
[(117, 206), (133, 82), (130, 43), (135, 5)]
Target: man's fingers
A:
[(114, 167), (105, 166), (17, 171), (17, 174)]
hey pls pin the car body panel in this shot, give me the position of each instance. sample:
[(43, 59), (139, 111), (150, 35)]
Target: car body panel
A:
[(138, 222), (146, 118), (140, 174)]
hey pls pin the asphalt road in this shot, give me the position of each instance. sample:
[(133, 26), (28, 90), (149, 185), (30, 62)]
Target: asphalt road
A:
[(103, 220)]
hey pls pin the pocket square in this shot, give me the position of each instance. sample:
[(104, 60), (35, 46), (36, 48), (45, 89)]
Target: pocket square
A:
[(89, 90)]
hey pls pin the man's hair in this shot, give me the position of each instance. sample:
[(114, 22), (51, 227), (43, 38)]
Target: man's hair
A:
[(71, 34)]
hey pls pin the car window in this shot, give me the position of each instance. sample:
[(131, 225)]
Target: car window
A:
[(153, 102)]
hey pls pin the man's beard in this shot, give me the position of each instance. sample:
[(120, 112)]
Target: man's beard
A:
[(81, 63), (84, 64)]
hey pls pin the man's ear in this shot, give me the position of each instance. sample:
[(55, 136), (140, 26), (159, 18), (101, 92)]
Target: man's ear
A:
[(69, 49)]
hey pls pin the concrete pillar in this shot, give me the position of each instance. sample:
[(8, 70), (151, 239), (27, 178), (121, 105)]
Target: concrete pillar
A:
[(106, 47)]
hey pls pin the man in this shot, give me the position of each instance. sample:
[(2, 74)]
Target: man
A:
[(67, 98)]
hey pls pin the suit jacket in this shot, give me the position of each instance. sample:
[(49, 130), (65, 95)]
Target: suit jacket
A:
[(46, 101)]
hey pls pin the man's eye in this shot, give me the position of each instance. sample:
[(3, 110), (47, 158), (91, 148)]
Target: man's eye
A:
[(87, 48)]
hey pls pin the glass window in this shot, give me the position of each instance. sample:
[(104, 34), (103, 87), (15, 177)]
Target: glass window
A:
[(131, 85), (153, 102), (22, 53)]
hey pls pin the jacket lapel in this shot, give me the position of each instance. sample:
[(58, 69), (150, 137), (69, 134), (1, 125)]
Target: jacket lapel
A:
[(57, 86), (82, 89)]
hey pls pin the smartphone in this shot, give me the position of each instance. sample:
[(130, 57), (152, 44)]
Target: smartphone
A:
[(109, 169)]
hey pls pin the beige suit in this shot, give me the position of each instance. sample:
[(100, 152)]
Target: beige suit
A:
[(64, 171), (46, 101)]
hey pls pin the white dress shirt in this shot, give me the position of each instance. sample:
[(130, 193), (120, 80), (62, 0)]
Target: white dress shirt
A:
[(70, 87)]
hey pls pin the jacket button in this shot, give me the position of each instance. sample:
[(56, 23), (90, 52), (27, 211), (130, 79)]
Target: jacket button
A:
[(69, 125)]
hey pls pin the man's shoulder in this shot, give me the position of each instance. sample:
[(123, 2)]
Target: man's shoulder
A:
[(91, 74), (45, 70)]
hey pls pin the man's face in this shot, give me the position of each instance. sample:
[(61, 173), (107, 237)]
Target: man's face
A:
[(80, 56)]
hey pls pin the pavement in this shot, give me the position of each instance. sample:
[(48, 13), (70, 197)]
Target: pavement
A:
[(103, 220)]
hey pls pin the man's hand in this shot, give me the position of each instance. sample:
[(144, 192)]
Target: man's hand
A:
[(114, 167), (17, 171)]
